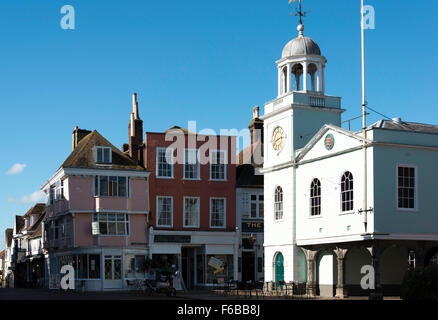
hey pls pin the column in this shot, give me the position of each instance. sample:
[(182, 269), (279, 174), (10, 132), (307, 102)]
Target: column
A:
[(375, 251), (319, 83), (420, 255), (310, 257), (305, 76), (323, 79), (340, 287), (280, 83), (288, 77)]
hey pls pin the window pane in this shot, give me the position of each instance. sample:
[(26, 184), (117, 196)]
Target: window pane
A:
[(82, 266), (104, 186), (191, 212), (103, 228), (94, 266), (122, 186), (113, 186), (106, 155), (217, 214), (111, 228), (120, 228), (108, 269), (99, 155)]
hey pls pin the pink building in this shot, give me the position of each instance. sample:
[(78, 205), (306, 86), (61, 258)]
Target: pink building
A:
[(98, 211)]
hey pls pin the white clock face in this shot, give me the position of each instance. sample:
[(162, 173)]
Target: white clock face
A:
[(278, 138)]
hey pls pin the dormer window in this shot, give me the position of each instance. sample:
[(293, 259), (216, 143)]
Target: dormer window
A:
[(103, 155)]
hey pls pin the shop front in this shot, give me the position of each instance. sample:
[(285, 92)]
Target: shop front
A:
[(101, 269), (203, 259)]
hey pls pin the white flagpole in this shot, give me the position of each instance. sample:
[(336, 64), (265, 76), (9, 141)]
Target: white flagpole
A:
[(364, 122)]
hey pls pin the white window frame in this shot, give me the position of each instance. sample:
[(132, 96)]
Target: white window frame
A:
[(224, 164), (97, 192), (199, 212), (126, 221), (341, 192), (59, 190), (257, 202), (320, 199), (415, 167), (168, 152), (103, 149), (171, 211), (225, 212), (198, 165), (282, 205)]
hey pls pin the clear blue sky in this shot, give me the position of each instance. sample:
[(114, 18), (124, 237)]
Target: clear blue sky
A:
[(209, 61)]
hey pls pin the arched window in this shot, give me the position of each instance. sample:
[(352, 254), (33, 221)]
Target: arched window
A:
[(284, 76), (315, 198), (347, 192), (278, 204), (297, 71)]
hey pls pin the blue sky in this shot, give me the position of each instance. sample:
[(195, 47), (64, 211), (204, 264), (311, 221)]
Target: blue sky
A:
[(209, 61)]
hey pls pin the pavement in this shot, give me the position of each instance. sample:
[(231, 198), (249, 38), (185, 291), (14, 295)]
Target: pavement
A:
[(43, 294)]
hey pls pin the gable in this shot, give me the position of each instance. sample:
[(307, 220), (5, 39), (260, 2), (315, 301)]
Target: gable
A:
[(83, 156), (328, 141)]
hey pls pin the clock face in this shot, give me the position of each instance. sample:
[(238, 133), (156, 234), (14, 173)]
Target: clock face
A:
[(278, 138)]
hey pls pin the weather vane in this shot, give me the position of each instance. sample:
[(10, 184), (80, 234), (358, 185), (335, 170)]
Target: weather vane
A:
[(300, 13)]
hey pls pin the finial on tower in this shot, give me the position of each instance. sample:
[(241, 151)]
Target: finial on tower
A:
[(300, 13)]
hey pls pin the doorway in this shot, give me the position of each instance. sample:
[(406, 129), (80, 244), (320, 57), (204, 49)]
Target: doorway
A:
[(113, 272), (279, 268), (188, 266), (248, 263)]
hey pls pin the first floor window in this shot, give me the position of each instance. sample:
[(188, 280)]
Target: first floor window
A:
[(112, 223), (191, 164), (257, 206), (164, 211), (191, 212), (59, 192), (217, 165), (347, 192), (278, 203), (315, 198), (105, 186), (406, 187), (165, 162), (217, 213)]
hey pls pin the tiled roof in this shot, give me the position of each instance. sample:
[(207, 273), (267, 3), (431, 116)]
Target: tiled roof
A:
[(19, 223), (37, 209), (38, 230), (2, 253), (83, 155), (406, 126)]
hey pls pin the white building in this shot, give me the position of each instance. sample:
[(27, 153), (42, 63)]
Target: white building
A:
[(316, 230)]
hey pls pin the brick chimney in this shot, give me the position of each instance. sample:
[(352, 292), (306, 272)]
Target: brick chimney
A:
[(78, 135), (256, 131), (256, 126), (135, 149)]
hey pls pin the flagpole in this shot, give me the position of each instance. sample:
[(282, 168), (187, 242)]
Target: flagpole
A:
[(364, 122)]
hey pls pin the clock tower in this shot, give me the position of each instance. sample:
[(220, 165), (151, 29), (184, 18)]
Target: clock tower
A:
[(300, 109)]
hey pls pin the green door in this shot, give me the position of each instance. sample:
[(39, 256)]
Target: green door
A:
[(279, 268)]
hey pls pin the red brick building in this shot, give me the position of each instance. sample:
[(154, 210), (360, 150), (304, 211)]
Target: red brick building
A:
[(193, 204)]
